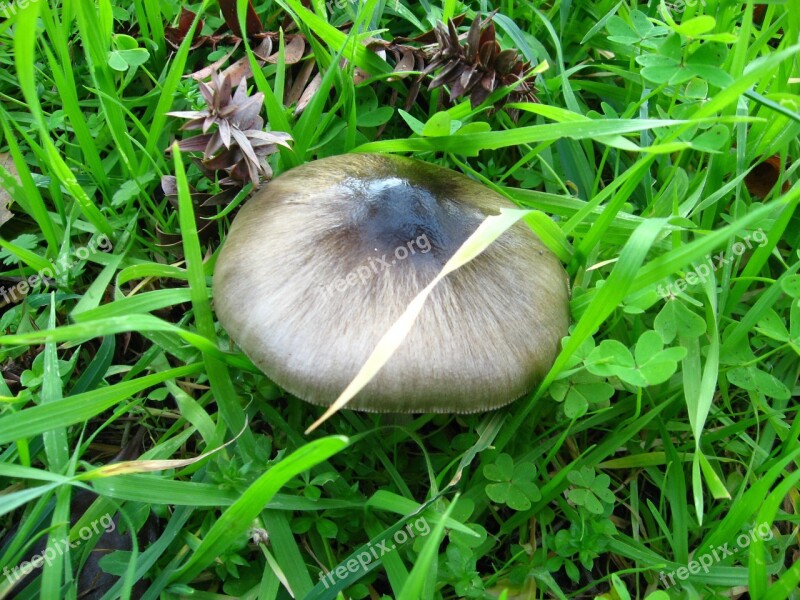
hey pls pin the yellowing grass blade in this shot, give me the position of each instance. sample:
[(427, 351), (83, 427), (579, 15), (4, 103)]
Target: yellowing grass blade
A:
[(146, 466), (489, 230)]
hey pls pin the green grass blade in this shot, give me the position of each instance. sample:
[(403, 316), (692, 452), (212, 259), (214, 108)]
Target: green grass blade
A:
[(239, 516)]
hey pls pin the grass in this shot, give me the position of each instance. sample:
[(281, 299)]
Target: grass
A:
[(664, 437)]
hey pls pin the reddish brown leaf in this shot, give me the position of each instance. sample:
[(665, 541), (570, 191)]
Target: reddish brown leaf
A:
[(308, 94), (252, 22), (474, 38), (413, 91), (404, 64), (429, 37), (489, 34), (487, 54), (761, 180), (294, 92), (176, 35)]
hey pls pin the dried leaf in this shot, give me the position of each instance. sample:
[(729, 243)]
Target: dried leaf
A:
[(252, 22), (505, 60), (478, 67), (404, 65), (197, 143), (429, 37), (223, 160), (238, 146), (176, 35), (206, 72), (473, 39), (487, 54), (413, 91), (263, 50), (222, 199), (169, 184), (294, 92), (225, 132), (308, 94), (293, 52), (761, 180), (148, 466)]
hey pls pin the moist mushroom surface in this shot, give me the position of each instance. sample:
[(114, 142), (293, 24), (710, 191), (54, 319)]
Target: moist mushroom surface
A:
[(322, 261)]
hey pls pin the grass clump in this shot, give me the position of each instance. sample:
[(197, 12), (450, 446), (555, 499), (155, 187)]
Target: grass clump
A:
[(657, 459)]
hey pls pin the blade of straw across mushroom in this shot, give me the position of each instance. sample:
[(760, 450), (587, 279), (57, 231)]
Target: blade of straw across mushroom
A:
[(489, 230)]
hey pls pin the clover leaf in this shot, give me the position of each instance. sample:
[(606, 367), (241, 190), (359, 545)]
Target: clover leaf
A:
[(751, 378), (514, 485), (650, 364), (578, 392), (676, 319), (126, 53), (591, 490)]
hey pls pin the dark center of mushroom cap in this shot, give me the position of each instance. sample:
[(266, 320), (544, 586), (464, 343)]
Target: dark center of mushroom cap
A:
[(393, 212)]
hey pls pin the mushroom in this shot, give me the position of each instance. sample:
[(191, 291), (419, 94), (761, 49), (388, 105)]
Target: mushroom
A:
[(321, 262)]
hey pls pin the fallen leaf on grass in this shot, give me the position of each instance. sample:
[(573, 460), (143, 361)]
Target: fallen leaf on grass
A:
[(762, 178)]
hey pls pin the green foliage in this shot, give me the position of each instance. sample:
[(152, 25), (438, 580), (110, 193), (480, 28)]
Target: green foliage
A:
[(590, 491), (514, 483), (665, 141), (650, 363), (582, 542)]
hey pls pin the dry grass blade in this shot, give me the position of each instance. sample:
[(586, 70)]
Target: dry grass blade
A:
[(487, 232)]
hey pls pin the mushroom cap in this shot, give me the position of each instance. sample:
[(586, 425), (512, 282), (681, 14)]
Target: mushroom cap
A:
[(322, 261)]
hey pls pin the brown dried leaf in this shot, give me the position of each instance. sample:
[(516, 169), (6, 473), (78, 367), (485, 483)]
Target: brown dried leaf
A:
[(473, 38), (205, 230), (429, 37), (252, 22), (294, 51), (222, 199), (487, 54), (406, 63), (446, 74), (294, 92), (176, 35), (505, 61), (413, 91), (264, 49), (479, 94), (761, 180), (196, 143), (308, 94), (169, 184), (206, 72), (149, 466), (238, 71)]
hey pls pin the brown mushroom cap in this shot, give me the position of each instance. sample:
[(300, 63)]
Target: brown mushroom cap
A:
[(322, 261)]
